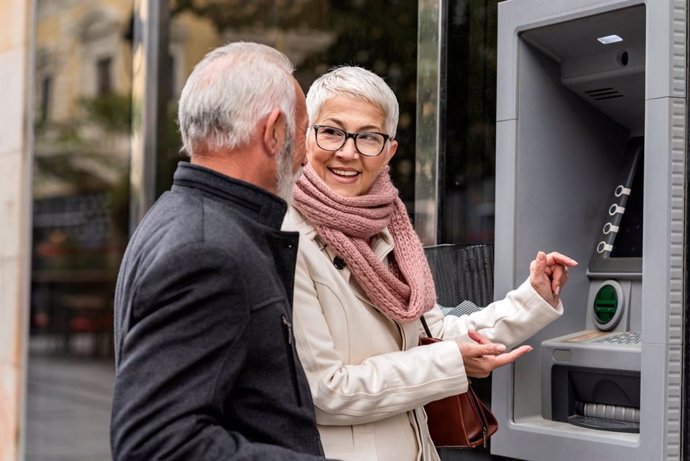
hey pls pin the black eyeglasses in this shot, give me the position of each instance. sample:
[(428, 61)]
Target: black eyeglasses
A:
[(367, 143)]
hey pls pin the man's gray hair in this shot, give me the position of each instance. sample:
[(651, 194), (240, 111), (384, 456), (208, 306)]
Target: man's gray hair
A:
[(355, 82), (229, 92)]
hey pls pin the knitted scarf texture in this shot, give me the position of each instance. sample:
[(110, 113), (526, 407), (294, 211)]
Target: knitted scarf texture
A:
[(403, 289)]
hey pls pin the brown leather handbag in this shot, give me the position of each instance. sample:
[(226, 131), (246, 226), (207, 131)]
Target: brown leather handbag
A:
[(459, 420)]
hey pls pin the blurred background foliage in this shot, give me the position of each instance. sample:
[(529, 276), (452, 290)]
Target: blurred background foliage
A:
[(380, 36)]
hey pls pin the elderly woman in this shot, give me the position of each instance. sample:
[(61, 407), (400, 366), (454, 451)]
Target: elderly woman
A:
[(362, 283)]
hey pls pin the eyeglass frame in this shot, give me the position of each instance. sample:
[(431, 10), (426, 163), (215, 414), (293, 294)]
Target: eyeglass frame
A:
[(348, 135)]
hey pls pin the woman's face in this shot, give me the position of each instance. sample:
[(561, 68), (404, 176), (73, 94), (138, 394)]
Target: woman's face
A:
[(345, 171)]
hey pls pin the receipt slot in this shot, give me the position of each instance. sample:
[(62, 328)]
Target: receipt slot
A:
[(591, 161)]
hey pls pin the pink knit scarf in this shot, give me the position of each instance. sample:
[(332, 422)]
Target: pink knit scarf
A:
[(402, 289)]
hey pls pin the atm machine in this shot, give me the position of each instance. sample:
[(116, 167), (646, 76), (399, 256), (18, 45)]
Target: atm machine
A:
[(591, 161)]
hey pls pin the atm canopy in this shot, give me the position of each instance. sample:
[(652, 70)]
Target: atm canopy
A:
[(602, 60)]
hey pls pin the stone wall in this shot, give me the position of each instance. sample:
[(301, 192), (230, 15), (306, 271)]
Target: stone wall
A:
[(15, 206)]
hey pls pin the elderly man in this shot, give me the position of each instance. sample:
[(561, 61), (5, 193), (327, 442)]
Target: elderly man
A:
[(205, 356)]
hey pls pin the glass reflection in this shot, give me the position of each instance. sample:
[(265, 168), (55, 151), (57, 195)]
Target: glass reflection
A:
[(83, 129), (81, 169), (468, 197), (316, 35), (429, 156)]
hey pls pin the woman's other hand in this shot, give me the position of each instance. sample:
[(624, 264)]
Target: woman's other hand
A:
[(483, 356), (548, 274)]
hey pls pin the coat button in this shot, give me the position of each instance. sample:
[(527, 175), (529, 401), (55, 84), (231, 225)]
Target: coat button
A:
[(339, 263)]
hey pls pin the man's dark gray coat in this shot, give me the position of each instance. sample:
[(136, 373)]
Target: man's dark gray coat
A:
[(205, 357)]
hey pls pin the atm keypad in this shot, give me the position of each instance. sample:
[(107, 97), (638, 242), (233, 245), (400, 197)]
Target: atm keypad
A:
[(628, 337)]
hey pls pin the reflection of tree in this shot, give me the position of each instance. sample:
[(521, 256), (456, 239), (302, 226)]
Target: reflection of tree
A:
[(238, 13), (95, 142), (73, 169), (381, 36), (111, 112), (88, 155), (80, 216)]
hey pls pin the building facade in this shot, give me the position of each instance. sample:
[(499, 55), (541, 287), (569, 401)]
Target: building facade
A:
[(15, 206)]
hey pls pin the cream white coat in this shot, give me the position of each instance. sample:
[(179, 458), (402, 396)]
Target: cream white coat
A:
[(368, 377)]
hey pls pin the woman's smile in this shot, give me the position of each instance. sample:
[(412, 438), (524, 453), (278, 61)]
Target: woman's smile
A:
[(344, 175)]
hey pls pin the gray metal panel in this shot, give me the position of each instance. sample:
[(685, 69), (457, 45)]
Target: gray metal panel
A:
[(149, 48), (666, 48), (554, 210), (539, 439), (657, 206), (525, 434), (506, 78), (608, 76), (504, 254), (513, 17), (654, 384), (662, 290)]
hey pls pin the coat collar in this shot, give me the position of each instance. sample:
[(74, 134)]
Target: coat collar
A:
[(382, 243), (257, 203)]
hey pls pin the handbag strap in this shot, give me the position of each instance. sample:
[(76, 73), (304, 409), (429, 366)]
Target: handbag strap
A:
[(426, 327)]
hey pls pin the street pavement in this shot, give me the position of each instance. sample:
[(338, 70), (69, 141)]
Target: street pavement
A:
[(68, 408)]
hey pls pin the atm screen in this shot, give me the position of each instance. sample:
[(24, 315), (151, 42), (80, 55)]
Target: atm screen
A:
[(628, 241), (618, 248)]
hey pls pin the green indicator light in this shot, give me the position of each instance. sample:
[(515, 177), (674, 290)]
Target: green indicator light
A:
[(605, 304)]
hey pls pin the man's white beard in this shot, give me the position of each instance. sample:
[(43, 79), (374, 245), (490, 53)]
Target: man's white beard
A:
[(286, 179)]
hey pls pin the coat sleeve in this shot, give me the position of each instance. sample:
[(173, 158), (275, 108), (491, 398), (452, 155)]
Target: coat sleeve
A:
[(180, 357), (378, 387), (510, 321)]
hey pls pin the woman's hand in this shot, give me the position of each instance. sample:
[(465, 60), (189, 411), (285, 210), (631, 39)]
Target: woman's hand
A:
[(548, 274), (483, 356)]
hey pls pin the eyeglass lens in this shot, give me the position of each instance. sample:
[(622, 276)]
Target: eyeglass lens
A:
[(367, 143)]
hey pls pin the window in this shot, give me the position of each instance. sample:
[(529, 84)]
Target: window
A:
[(46, 95), (103, 80)]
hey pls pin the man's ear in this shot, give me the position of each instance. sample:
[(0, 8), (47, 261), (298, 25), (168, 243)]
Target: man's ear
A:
[(274, 132)]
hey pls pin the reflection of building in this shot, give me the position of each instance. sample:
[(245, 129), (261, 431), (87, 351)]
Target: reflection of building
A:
[(81, 156), (80, 52), (80, 82), (82, 86), (298, 44), (82, 71), (67, 142)]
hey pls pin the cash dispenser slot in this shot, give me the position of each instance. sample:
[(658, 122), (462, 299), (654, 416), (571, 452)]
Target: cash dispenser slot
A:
[(595, 398)]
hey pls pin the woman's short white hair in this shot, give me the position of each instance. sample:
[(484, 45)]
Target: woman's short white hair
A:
[(229, 92), (355, 82)]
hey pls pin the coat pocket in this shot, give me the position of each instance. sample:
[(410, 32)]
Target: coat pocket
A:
[(291, 355)]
